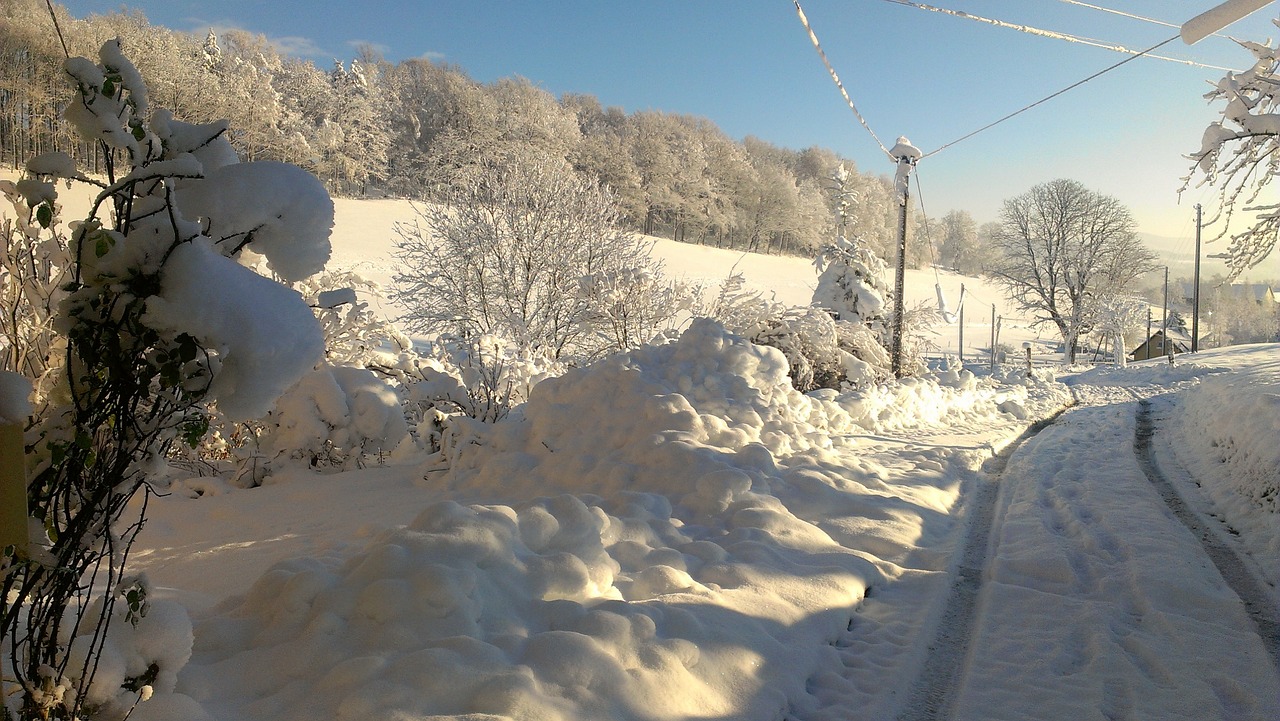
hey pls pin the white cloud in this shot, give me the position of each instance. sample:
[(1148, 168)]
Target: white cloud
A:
[(292, 45)]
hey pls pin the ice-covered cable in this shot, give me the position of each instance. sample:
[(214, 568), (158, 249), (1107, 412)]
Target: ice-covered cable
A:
[(1047, 98), (818, 46), (1053, 34)]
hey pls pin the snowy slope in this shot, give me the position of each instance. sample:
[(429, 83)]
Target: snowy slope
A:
[(364, 239)]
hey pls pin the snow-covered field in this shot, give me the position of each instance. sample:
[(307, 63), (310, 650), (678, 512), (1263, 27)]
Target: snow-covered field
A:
[(364, 238), (677, 533)]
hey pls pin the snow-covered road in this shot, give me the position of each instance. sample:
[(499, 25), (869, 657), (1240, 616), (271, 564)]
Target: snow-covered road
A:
[(1096, 602)]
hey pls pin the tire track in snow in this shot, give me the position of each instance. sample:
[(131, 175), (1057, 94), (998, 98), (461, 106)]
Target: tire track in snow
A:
[(933, 692), (1257, 602)]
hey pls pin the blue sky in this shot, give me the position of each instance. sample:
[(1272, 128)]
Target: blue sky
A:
[(749, 67)]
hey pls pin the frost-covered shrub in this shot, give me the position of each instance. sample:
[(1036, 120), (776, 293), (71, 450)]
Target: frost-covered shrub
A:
[(151, 640), (35, 260), (482, 378), (354, 335), (822, 352), (336, 416), (506, 256), (628, 307)]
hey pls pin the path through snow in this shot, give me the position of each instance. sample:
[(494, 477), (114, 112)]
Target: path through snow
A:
[(1120, 613)]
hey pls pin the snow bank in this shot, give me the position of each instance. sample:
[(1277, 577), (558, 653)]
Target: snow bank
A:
[(1226, 436), (690, 407), (700, 546), (560, 610)]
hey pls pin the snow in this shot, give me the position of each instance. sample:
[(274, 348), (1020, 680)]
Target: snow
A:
[(265, 335), (58, 164), (677, 533), (281, 210), (1118, 600), (1225, 437), (1216, 18)]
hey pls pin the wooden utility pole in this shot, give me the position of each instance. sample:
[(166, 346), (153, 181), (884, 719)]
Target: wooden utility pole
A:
[(1195, 292), (906, 155), (993, 336), (962, 325), (1148, 333), (1164, 320)]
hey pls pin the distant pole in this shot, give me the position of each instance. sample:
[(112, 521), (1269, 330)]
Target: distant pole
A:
[(1148, 334), (906, 155), (962, 324), (993, 336), (1195, 291), (1164, 320)]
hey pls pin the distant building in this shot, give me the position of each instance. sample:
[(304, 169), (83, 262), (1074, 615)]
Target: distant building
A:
[(1260, 293), (1155, 347)]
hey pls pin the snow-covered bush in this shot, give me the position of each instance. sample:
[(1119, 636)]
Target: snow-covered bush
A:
[(822, 352), (336, 416), (481, 379), (852, 287), (354, 334), (628, 307), (838, 342), (159, 318), (851, 283), (507, 255)]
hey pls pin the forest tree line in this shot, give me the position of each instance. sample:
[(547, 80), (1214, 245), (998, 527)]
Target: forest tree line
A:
[(416, 129)]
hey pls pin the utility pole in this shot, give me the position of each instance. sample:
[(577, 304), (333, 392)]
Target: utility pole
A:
[(1148, 333), (1164, 320), (906, 155), (1195, 291), (962, 325), (993, 336)]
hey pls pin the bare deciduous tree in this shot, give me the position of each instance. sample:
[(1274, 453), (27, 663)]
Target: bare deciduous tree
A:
[(1061, 248)]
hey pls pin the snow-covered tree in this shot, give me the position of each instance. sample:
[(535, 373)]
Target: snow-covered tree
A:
[(1240, 154), (852, 283), (1062, 249), (1116, 317), (360, 156), (959, 244)]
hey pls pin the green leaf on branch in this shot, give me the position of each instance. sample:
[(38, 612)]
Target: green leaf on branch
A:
[(193, 431), (102, 244), (44, 215)]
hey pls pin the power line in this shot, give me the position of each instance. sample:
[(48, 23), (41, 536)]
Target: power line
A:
[(1047, 98), (1052, 34), (818, 46), (1121, 13)]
